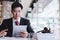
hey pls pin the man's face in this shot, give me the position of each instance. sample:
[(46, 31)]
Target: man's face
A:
[(16, 12)]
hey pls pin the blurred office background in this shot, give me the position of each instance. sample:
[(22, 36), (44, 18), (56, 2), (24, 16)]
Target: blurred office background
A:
[(41, 13)]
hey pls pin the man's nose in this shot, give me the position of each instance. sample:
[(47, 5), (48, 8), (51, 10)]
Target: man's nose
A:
[(16, 13)]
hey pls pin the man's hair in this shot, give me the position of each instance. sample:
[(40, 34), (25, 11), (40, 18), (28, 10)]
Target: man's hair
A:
[(15, 5)]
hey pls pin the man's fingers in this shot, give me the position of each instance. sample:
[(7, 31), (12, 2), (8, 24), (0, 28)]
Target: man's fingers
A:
[(5, 30)]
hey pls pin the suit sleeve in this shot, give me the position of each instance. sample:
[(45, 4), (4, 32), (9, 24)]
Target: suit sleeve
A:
[(30, 30), (3, 26)]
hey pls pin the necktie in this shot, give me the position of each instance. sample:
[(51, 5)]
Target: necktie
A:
[(16, 22)]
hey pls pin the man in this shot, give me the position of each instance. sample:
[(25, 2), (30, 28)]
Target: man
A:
[(8, 25)]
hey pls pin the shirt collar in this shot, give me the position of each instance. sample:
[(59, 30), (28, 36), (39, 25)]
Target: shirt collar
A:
[(17, 20)]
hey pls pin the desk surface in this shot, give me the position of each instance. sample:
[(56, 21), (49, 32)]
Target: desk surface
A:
[(37, 36), (15, 38), (19, 38), (46, 36)]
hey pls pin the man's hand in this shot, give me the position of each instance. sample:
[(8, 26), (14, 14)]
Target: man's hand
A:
[(3, 32), (23, 34)]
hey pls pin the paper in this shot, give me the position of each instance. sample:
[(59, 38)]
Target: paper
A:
[(18, 29)]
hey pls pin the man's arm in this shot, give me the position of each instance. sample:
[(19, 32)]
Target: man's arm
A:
[(3, 29), (30, 30)]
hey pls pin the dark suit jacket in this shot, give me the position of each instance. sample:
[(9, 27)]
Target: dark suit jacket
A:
[(8, 24)]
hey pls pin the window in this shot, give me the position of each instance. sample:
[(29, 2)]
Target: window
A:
[(45, 16)]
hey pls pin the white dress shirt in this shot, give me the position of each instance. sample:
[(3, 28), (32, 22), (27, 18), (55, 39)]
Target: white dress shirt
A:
[(15, 27)]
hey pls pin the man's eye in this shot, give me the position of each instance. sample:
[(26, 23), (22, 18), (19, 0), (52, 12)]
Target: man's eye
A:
[(13, 10)]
